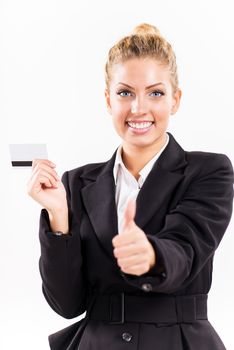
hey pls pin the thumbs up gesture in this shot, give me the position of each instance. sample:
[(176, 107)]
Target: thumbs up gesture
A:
[(134, 253)]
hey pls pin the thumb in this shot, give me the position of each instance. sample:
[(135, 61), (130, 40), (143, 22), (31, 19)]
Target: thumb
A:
[(129, 213)]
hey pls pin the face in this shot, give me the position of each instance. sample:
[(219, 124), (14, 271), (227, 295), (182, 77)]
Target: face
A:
[(140, 100)]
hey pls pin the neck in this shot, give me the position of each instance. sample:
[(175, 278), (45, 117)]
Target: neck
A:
[(135, 157)]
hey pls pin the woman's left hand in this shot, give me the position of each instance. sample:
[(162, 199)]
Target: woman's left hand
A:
[(134, 253)]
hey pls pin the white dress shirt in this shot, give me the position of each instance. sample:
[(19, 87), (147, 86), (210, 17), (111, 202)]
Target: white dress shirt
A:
[(126, 184)]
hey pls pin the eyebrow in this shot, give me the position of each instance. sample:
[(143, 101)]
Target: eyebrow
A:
[(147, 87)]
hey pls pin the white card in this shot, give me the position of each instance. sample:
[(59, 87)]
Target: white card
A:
[(23, 154)]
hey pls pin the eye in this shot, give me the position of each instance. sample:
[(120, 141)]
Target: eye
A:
[(124, 93), (157, 93)]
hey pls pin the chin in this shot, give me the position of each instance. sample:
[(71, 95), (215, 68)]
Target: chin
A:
[(140, 144)]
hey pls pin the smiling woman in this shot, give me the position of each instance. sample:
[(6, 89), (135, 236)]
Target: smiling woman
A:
[(141, 113), (131, 241)]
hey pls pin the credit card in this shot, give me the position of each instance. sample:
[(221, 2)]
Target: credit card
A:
[(22, 154)]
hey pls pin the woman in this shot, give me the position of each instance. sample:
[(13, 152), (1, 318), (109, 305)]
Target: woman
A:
[(131, 241)]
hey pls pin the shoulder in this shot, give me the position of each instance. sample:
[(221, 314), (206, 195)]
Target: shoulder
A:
[(201, 157), (92, 170), (208, 162), (197, 159), (72, 179), (84, 170)]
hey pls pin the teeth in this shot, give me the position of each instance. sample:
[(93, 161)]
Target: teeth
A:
[(141, 125)]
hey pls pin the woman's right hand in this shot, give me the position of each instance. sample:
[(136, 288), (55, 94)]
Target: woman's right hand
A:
[(45, 187)]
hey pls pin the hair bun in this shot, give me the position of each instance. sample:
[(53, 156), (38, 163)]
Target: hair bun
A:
[(145, 28)]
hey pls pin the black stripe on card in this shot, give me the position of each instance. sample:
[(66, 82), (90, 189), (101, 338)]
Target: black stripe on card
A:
[(21, 163)]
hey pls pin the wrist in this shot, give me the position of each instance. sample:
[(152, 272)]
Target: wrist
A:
[(58, 210), (59, 221)]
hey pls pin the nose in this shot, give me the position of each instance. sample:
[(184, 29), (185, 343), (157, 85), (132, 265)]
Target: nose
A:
[(139, 106)]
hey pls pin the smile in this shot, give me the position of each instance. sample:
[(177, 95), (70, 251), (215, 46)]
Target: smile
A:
[(140, 125)]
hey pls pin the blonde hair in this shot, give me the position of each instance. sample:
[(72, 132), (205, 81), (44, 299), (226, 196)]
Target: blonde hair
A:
[(145, 41)]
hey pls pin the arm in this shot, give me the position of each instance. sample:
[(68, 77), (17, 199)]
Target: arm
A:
[(61, 264), (192, 230)]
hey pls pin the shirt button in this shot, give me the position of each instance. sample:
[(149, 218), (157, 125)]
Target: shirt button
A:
[(147, 287), (126, 336), (163, 274)]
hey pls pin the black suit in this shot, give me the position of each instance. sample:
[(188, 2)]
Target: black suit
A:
[(184, 207)]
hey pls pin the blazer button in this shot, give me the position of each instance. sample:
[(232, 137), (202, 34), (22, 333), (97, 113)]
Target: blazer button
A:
[(163, 274), (126, 336), (147, 287)]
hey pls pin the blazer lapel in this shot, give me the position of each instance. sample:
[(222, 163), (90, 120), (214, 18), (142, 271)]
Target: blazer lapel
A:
[(99, 200), (99, 195), (161, 182)]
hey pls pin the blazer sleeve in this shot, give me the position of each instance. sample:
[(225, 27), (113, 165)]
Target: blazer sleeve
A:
[(192, 230), (60, 265)]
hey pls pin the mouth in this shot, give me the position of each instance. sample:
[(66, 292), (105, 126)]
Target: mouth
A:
[(140, 125)]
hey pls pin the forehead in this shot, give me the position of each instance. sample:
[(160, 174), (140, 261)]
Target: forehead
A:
[(140, 71)]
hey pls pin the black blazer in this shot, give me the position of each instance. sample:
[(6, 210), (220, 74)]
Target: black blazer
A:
[(184, 207)]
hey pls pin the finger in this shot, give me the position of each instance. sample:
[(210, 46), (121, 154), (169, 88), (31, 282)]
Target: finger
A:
[(43, 180), (133, 235), (137, 259), (46, 161), (40, 161), (137, 269), (41, 166), (124, 239), (129, 214), (41, 175), (139, 247), (36, 186)]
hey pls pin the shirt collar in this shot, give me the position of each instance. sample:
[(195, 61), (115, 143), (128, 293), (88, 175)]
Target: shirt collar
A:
[(118, 163), (147, 168)]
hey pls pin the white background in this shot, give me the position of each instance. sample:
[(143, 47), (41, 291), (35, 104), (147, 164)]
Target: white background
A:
[(52, 57)]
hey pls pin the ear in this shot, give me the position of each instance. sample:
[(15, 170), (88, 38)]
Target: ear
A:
[(176, 101), (107, 96)]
